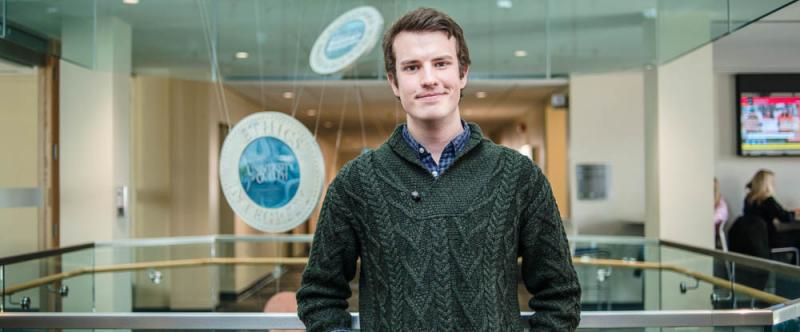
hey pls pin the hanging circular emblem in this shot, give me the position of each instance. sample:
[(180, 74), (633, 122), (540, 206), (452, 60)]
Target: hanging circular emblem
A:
[(271, 171), (347, 38)]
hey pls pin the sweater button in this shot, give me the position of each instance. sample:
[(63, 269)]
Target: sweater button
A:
[(415, 196)]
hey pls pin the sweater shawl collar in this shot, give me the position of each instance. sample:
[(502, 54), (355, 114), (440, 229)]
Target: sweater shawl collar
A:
[(398, 144)]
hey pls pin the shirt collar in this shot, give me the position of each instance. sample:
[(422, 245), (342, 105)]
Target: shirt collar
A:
[(458, 142)]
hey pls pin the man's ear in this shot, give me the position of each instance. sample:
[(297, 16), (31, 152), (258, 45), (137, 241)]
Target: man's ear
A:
[(464, 74), (393, 83)]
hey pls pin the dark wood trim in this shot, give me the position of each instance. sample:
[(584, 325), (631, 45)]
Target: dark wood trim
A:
[(52, 156)]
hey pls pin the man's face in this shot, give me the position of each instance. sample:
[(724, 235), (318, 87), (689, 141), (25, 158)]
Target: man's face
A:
[(427, 77)]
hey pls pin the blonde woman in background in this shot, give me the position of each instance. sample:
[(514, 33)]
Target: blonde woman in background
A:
[(760, 201)]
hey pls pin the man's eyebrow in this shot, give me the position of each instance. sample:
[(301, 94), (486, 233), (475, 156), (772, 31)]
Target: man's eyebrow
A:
[(443, 57), (408, 62), (438, 58)]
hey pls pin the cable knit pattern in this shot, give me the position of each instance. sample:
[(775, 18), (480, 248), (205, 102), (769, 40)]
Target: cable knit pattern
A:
[(445, 262)]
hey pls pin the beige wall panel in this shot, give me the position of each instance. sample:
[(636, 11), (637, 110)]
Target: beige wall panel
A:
[(19, 147), (18, 130), (606, 126), (556, 151)]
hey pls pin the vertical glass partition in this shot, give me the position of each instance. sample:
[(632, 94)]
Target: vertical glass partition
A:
[(72, 23), (508, 39)]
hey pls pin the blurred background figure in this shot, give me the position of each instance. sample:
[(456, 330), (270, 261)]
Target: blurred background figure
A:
[(760, 202), (720, 213)]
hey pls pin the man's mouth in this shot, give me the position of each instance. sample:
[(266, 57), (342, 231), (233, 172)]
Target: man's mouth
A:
[(430, 96)]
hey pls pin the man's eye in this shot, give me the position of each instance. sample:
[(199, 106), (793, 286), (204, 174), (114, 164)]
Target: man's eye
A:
[(441, 64), (409, 68)]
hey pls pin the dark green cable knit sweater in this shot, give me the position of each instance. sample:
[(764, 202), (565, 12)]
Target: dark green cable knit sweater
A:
[(447, 260)]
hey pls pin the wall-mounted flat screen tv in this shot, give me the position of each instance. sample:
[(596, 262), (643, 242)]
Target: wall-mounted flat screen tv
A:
[(768, 116)]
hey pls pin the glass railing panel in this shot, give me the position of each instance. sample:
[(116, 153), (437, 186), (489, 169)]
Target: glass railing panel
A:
[(693, 280), (156, 276), (680, 290), (50, 284), (782, 285), (259, 275), (613, 275)]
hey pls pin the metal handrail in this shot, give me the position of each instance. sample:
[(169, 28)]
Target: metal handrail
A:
[(750, 261), (261, 321), (771, 266), (719, 282)]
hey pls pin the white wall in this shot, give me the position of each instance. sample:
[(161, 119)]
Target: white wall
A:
[(606, 126), (680, 163), (87, 206)]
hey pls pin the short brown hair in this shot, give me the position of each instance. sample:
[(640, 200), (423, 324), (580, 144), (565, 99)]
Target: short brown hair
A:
[(425, 20)]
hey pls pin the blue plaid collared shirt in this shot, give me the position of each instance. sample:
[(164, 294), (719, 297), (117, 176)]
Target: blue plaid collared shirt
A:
[(448, 154)]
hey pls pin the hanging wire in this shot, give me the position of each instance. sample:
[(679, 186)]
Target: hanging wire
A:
[(259, 40), (361, 117), (324, 81), (216, 74), (339, 132), (297, 94), (319, 109)]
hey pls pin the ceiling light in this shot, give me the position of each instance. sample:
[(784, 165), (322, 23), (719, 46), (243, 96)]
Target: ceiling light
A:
[(130, 2), (242, 55), (328, 124), (481, 94), (311, 112), (520, 53), (288, 95), (505, 4)]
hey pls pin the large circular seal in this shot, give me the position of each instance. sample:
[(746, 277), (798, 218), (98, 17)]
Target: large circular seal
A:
[(271, 171), (347, 38)]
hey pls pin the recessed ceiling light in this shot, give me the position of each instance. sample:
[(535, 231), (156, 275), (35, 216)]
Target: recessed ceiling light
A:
[(311, 112), (288, 95), (520, 53), (242, 55), (328, 124), (130, 2), (505, 4), (481, 94)]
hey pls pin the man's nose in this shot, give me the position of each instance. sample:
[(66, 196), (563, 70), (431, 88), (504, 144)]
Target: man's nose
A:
[(428, 76)]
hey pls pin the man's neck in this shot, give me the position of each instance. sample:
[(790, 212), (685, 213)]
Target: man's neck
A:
[(435, 135)]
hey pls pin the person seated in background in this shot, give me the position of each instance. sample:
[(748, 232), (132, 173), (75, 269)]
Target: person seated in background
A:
[(720, 212), (760, 202)]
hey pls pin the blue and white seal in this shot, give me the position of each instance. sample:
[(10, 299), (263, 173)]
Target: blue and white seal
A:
[(347, 38), (271, 171)]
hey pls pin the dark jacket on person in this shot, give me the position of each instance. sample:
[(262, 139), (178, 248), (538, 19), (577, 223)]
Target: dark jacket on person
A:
[(768, 210), (440, 253), (748, 235)]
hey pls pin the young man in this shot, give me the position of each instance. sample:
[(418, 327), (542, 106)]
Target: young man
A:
[(438, 214)]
